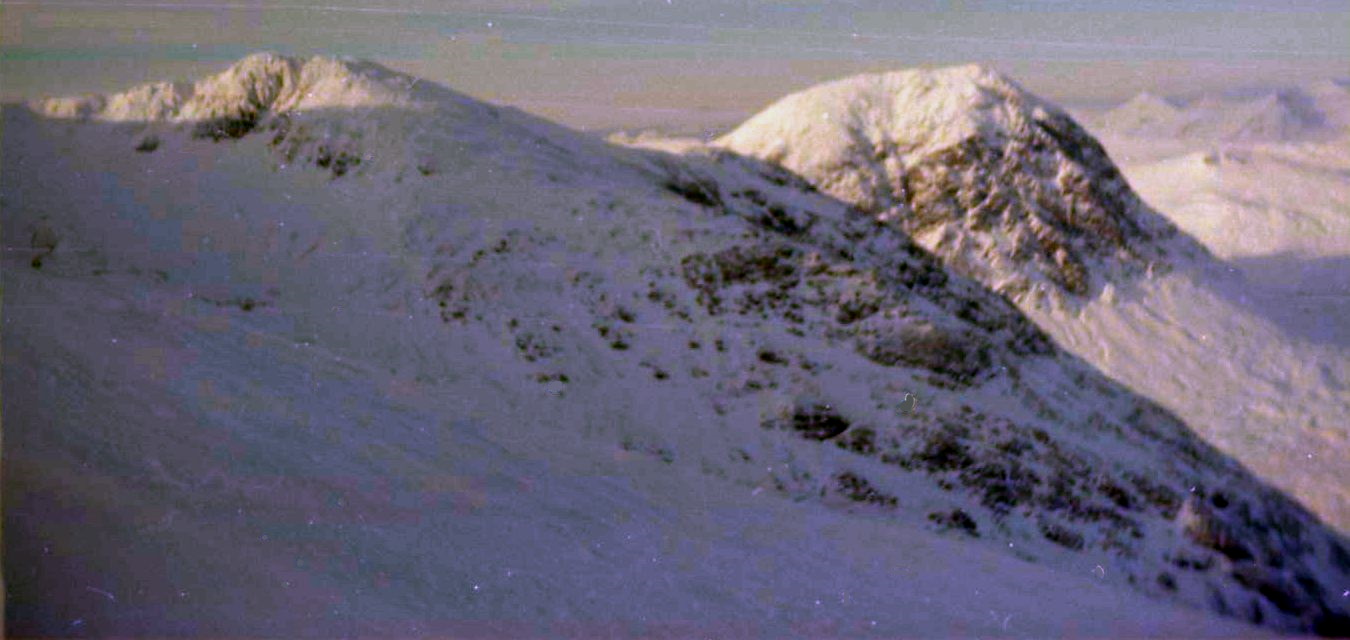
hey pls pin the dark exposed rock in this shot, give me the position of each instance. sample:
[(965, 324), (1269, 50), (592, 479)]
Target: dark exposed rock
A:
[(1001, 484), (1025, 199), (1062, 535), (1330, 624), (230, 127), (858, 440), (858, 489), (1203, 527), (1340, 557), (817, 421), (955, 519), (697, 191), (943, 451), (919, 342)]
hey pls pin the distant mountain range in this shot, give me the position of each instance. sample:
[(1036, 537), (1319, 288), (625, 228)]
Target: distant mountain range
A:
[(1316, 111)]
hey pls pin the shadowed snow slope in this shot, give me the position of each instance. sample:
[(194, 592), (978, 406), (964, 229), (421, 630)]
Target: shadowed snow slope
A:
[(394, 361)]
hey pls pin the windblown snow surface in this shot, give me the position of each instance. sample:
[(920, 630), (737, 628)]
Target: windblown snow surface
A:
[(310, 348)]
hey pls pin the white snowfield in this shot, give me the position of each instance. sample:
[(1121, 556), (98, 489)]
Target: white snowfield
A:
[(310, 348)]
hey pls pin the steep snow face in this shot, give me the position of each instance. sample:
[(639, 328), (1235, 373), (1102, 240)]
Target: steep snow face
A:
[(1001, 185), (496, 370)]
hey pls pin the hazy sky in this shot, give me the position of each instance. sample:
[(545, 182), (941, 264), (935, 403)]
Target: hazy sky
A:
[(599, 63)]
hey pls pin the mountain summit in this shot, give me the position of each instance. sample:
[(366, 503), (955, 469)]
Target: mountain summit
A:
[(1003, 186), (1143, 112), (234, 100)]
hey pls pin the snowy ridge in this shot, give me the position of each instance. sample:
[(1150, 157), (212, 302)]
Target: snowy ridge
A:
[(1001, 185), (519, 329), (325, 112), (1316, 112), (258, 84)]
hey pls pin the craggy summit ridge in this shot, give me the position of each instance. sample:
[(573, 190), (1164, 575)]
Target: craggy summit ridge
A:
[(1002, 185), (332, 113), (231, 103), (273, 93)]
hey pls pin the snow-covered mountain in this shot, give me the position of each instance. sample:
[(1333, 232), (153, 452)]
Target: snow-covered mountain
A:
[(1004, 187), (1318, 111), (1267, 386), (310, 347)]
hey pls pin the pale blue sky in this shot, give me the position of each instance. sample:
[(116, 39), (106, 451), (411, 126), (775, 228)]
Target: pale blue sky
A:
[(590, 62)]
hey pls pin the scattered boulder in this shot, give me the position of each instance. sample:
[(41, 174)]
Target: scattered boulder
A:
[(945, 348)]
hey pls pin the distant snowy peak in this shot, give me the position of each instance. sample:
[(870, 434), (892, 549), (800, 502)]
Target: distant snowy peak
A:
[(1284, 115), (258, 83), (1332, 98), (1002, 185), (1316, 111), (1140, 112)]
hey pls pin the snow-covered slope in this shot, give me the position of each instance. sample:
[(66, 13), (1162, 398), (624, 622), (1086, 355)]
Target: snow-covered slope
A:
[(1003, 186), (1252, 200), (1332, 100), (1259, 360), (1267, 385), (422, 365)]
